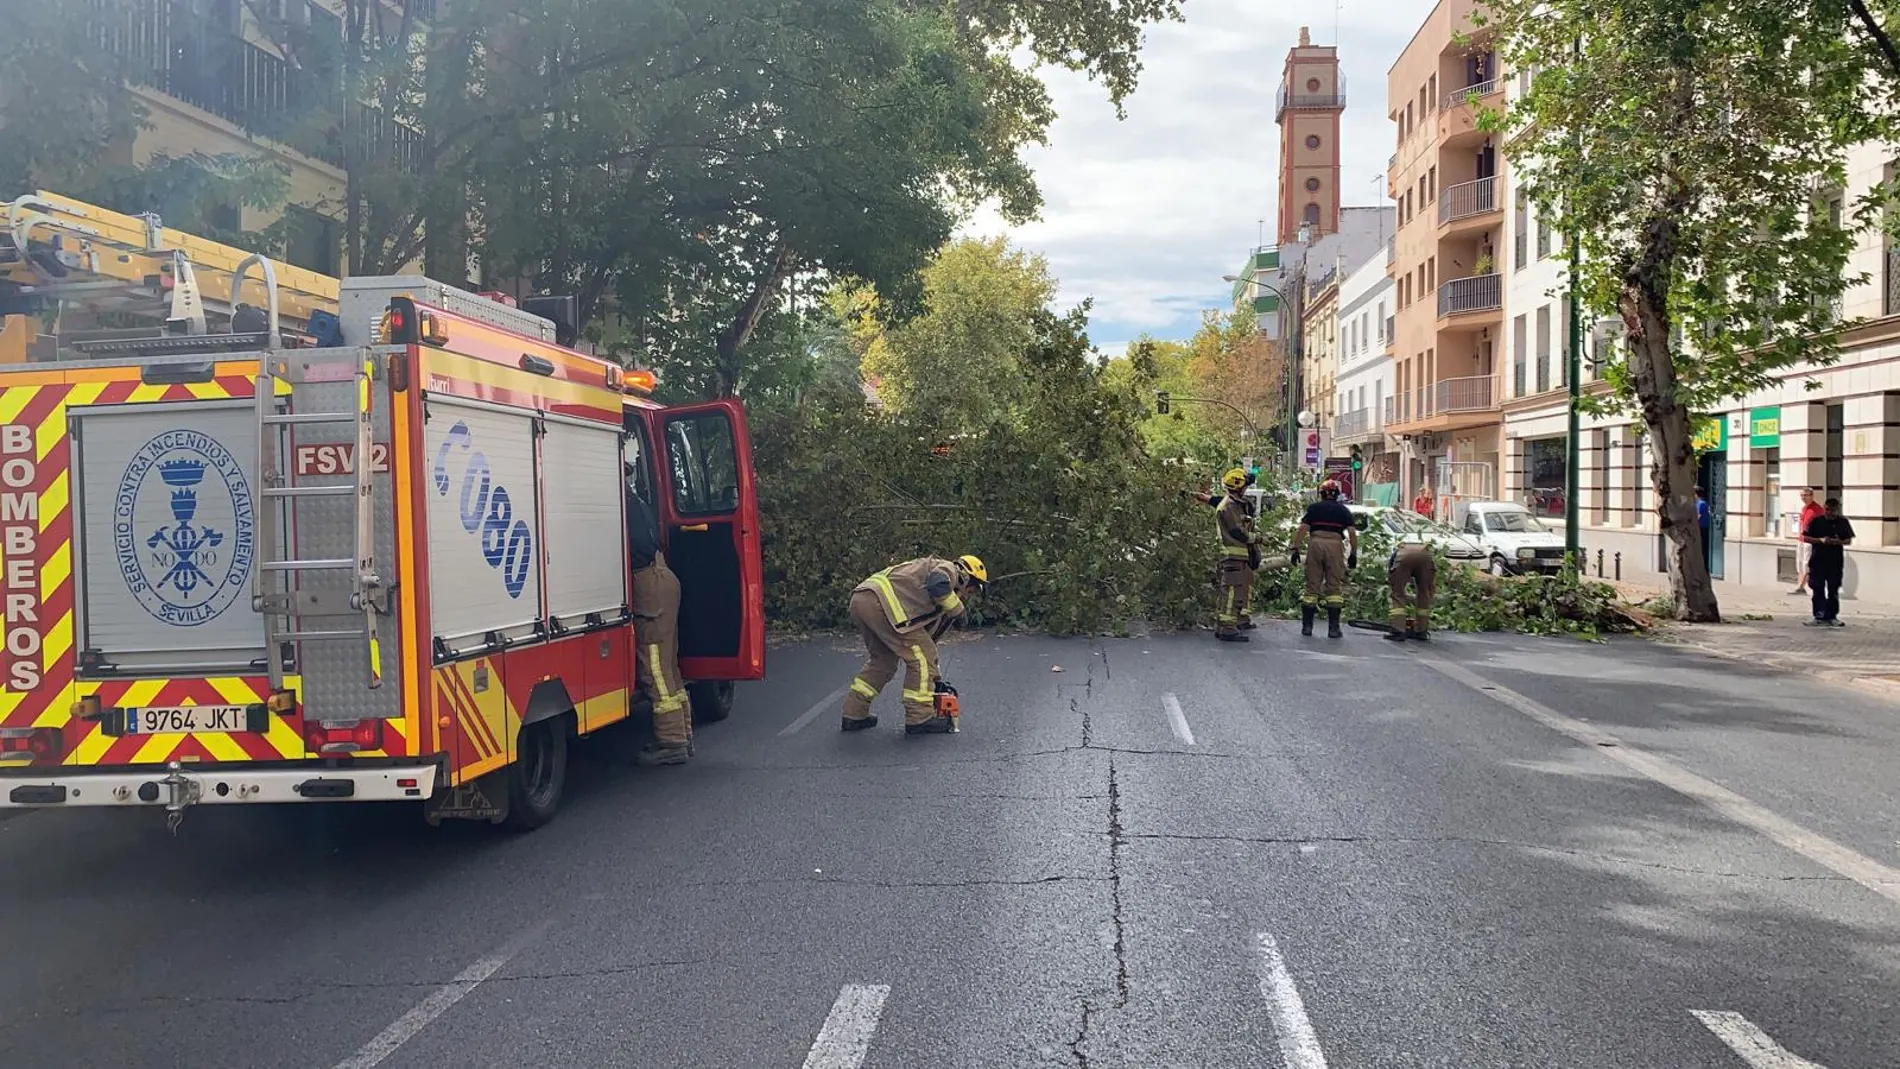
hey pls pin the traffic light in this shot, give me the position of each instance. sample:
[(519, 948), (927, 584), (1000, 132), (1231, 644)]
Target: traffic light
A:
[(1358, 461), (1161, 402)]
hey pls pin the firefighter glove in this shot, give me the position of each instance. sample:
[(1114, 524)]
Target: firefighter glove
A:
[(1293, 558), (1352, 560)]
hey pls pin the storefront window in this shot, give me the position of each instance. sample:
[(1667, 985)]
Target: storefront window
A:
[(1544, 476)]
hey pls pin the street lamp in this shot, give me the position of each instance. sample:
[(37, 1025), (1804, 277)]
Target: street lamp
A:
[(1292, 363)]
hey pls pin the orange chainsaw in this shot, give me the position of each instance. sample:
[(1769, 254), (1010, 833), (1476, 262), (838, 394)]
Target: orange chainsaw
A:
[(947, 703)]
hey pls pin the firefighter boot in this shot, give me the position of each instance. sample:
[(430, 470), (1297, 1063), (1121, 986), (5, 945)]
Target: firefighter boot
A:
[(1307, 612), (1332, 622), (937, 725), (859, 723), (665, 753)]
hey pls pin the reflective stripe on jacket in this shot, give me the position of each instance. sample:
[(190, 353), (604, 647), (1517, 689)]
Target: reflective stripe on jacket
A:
[(916, 592)]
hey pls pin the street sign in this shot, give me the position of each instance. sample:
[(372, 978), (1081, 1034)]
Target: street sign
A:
[(1313, 443)]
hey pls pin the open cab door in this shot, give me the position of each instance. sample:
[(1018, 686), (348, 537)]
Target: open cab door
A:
[(710, 513)]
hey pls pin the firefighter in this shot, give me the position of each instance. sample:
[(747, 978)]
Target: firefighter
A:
[(1411, 566), (1239, 556), (1335, 549), (656, 611), (902, 611)]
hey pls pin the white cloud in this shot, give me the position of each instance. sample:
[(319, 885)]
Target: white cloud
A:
[(1145, 215)]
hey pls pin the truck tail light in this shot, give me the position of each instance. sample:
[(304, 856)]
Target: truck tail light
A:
[(30, 745), (343, 736)]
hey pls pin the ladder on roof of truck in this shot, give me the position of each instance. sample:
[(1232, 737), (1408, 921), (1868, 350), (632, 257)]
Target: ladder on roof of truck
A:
[(58, 248)]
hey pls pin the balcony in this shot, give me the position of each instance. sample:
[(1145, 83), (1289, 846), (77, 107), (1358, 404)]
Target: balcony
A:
[(1471, 296), (1284, 102), (1398, 409), (1468, 205), (1458, 119), (1475, 393), (170, 48), (1360, 424)]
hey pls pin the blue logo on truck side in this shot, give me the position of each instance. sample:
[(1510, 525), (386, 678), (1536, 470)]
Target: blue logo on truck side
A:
[(180, 567), (487, 512)]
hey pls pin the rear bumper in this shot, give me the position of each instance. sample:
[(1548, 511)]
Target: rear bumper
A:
[(176, 788)]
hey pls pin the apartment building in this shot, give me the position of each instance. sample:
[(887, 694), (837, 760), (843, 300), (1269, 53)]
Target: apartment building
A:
[(1448, 291), (1365, 379), (1842, 439), (1319, 346), (222, 77)]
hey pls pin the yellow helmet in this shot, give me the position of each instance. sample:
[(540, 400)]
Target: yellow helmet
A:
[(1234, 480), (974, 568)]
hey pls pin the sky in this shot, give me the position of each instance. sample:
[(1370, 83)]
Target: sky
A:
[(1146, 214)]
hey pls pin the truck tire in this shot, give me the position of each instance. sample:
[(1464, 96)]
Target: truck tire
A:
[(712, 700), (539, 775)]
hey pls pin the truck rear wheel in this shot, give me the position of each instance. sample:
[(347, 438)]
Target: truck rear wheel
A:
[(712, 700), (539, 775)]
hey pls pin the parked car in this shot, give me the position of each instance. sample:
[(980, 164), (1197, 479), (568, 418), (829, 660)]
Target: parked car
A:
[(1515, 541), (1404, 525)]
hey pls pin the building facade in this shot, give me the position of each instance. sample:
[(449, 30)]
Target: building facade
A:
[(1755, 455), (1308, 106), (1365, 380), (1448, 288), (1319, 347)]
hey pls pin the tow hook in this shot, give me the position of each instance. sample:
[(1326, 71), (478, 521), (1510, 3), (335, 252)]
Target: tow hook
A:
[(184, 792)]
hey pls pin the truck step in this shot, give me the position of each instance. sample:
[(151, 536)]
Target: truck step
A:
[(288, 418), (310, 491), (318, 565)]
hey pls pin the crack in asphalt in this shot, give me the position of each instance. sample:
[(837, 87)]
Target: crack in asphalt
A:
[(1037, 881), (1115, 884), (1462, 840)]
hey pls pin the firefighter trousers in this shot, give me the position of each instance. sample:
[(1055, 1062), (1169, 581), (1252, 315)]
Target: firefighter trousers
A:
[(884, 647), (1325, 570), (656, 611), (1414, 569), (1236, 596)]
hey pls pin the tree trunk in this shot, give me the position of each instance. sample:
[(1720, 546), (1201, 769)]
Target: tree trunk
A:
[(734, 337), (1673, 462)]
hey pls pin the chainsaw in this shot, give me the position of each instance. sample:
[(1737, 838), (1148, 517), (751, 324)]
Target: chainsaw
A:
[(946, 702)]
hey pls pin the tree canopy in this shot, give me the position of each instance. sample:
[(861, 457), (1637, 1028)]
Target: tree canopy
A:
[(1688, 146)]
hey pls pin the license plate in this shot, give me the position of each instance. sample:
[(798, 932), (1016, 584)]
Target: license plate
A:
[(185, 719)]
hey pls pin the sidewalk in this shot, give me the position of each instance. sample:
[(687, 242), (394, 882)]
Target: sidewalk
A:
[(1768, 628)]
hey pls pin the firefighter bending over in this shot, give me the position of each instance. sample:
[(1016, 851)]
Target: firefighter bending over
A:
[(656, 618), (1239, 556), (1335, 548), (1411, 568), (902, 611)]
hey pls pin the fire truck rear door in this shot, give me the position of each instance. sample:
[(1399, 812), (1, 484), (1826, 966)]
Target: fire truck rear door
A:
[(712, 540)]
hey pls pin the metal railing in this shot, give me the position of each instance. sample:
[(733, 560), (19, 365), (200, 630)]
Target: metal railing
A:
[(1284, 102), (1360, 422), (1474, 393), (168, 47), (1479, 293), (1398, 408), (1890, 298), (1467, 199), (1422, 402), (1471, 93)]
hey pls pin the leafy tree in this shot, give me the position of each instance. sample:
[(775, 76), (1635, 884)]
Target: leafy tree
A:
[(960, 363), (1679, 140)]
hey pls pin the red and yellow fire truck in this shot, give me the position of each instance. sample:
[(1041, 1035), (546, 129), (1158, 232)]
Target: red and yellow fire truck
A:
[(210, 599)]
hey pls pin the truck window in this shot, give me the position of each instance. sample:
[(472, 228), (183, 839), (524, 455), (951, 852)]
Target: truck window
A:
[(703, 465)]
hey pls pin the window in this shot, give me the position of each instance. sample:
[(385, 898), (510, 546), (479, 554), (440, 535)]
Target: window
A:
[(1520, 249), (1520, 354), (313, 242), (1312, 212), (1431, 90), (1771, 491), (1312, 185), (1543, 238), (1603, 476), (1831, 476), (1563, 342), (700, 458), (1543, 349), (1312, 141), (1545, 465), (640, 482), (1639, 476), (1431, 184)]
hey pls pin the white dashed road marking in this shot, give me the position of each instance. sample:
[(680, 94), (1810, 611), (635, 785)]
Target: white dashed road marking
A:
[(1876, 877), (406, 1027), (846, 1037), (1177, 719), (1753, 1044), (829, 701), (1299, 1047)]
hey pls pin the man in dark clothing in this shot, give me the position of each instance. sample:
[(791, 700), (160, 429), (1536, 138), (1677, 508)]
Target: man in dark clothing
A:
[(1829, 533), (1331, 528)]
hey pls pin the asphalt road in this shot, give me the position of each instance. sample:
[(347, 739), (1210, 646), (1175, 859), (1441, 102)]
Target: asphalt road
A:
[(1493, 851)]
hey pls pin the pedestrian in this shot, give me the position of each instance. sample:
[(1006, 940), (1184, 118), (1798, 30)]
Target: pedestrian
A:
[(1412, 574), (1331, 528), (1702, 524), (1829, 534), (1239, 556), (1810, 508), (1423, 504), (656, 612), (901, 612)]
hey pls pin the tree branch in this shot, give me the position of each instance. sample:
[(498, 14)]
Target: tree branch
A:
[(735, 335), (1871, 27)]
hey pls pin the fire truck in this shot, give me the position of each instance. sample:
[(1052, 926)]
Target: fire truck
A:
[(271, 537)]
